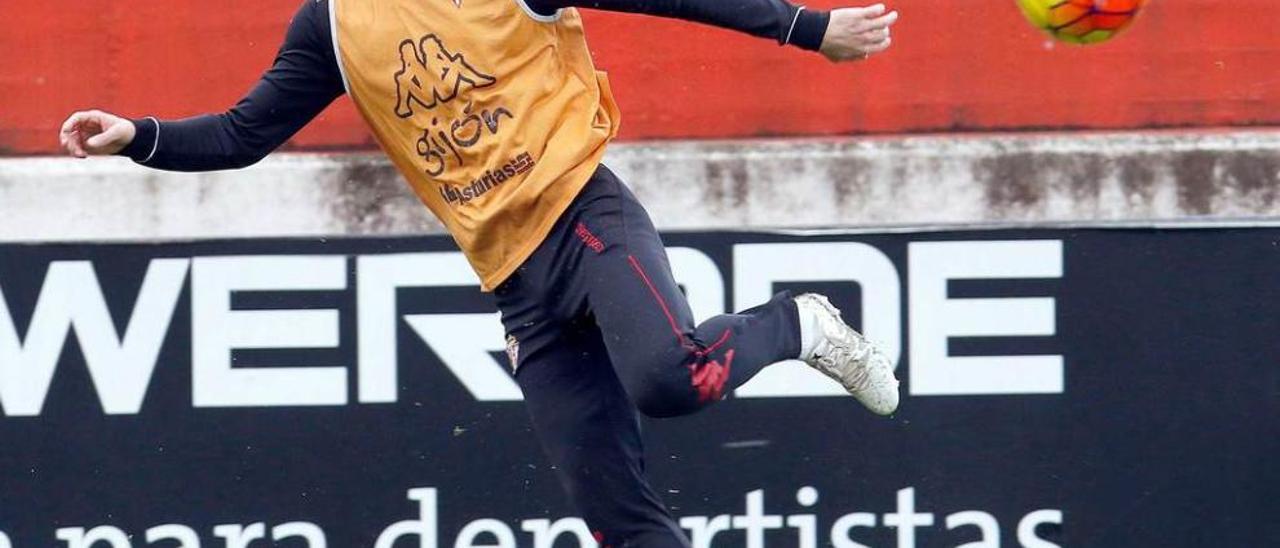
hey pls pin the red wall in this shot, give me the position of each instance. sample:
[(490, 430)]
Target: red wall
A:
[(968, 65)]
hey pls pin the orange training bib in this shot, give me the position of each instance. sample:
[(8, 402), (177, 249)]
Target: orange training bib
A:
[(494, 114)]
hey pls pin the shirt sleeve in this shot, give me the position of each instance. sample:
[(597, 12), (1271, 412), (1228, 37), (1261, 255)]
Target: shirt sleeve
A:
[(776, 19), (303, 80)]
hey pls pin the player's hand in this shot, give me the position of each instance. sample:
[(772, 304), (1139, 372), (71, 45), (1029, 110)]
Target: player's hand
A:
[(93, 133), (853, 34)]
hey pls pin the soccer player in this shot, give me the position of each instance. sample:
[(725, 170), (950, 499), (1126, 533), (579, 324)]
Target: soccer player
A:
[(496, 117)]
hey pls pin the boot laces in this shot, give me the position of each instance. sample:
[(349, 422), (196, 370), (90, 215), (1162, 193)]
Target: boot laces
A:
[(847, 360)]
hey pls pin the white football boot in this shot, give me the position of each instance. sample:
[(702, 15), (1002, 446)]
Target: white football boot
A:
[(832, 347)]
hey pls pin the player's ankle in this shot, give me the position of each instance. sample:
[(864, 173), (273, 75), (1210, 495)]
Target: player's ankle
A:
[(810, 329)]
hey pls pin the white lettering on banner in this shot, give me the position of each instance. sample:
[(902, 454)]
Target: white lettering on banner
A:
[(702, 530), (240, 536), (846, 524), (806, 524), (425, 527), (986, 524), (545, 532), (185, 536), (232, 535), (756, 524), (379, 277), (935, 318), (71, 299), (759, 527), (307, 531), (755, 521), (757, 267), (463, 343), (77, 537), (1027, 528), (217, 330), (905, 519), (500, 532)]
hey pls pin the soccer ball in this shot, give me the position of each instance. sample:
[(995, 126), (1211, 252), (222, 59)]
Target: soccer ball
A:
[(1081, 21)]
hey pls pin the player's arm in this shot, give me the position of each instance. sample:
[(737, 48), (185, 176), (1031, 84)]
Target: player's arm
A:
[(845, 34), (301, 82)]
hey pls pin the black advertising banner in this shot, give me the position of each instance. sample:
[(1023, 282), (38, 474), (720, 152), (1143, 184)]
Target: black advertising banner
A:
[(1080, 387)]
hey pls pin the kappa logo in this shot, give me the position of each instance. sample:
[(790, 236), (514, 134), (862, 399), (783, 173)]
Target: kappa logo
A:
[(430, 74)]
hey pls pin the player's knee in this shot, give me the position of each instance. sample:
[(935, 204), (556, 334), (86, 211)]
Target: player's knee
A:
[(656, 409), (664, 409), (663, 396)]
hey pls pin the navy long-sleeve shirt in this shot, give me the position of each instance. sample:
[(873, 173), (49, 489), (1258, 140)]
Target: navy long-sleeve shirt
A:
[(305, 78)]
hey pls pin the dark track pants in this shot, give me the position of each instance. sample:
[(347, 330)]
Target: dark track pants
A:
[(600, 330)]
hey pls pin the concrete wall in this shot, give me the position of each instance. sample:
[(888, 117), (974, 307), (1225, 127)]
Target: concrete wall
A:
[(1020, 178)]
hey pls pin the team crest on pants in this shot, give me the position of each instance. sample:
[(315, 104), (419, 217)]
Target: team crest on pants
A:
[(513, 352)]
